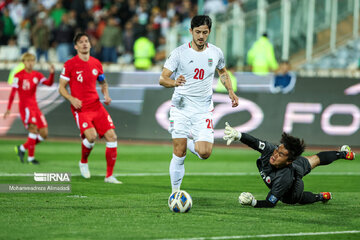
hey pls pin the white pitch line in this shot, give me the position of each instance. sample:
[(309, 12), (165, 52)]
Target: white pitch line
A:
[(187, 174), (266, 235)]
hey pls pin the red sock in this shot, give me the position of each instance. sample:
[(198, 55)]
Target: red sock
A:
[(30, 144), (111, 154), (85, 152), (26, 145)]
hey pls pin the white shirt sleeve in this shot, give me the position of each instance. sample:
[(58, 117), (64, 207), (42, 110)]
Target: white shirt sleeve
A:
[(173, 61), (65, 74), (221, 63)]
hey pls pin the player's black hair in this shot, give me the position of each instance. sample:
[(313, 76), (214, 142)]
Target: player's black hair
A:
[(295, 146), (200, 20), (78, 36)]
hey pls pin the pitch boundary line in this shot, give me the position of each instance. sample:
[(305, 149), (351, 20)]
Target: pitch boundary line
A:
[(187, 174), (267, 235)]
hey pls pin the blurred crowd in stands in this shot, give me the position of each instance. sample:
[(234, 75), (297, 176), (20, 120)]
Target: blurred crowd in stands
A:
[(113, 26)]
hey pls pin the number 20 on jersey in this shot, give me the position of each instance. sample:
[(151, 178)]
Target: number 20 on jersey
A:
[(199, 73)]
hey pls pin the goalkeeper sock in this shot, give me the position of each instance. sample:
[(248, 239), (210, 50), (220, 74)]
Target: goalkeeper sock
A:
[(330, 156), (309, 197), (86, 148), (110, 154), (177, 172), (191, 147)]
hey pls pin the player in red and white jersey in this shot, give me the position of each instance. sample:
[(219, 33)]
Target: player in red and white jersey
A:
[(193, 65), (25, 83), (81, 73)]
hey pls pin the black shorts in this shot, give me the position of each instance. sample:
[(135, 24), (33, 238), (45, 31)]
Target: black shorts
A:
[(302, 167), (294, 195)]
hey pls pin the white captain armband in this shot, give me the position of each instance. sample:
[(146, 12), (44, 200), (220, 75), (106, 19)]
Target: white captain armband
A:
[(101, 77)]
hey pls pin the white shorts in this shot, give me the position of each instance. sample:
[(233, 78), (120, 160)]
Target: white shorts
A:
[(185, 123)]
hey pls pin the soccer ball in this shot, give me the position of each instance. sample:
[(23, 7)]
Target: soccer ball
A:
[(180, 202)]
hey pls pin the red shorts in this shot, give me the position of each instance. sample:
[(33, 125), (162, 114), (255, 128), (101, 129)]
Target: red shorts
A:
[(32, 116), (100, 120)]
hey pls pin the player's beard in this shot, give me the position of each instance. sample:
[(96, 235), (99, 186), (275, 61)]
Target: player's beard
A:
[(200, 47)]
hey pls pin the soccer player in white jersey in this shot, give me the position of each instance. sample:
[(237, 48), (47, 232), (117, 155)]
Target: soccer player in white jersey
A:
[(193, 65)]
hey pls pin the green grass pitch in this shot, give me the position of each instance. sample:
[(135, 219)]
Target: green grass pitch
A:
[(138, 208)]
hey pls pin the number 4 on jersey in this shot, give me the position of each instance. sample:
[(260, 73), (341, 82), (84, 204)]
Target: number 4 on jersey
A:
[(80, 77)]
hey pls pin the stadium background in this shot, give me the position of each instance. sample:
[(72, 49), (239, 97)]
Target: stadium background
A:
[(334, 114), (324, 116), (324, 109)]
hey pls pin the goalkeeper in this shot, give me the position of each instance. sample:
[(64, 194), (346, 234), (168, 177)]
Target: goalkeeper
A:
[(282, 168)]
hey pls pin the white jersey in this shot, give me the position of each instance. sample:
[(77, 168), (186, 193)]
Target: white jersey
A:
[(198, 68)]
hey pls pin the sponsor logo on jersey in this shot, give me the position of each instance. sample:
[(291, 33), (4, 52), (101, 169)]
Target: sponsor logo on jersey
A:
[(262, 174), (268, 180), (84, 125), (191, 61), (210, 62), (264, 177), (261, 145), (35, 80), (95, 72)]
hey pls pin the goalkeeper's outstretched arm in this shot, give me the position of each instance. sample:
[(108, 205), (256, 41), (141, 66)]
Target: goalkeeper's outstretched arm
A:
[(247, 198), (231, 134), (252, 142), (270, 202), (264, 204)]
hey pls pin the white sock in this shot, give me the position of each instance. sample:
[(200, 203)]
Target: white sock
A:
[(40, 138), (177, 171), (87, 143), (22, 148), (111, 144), (30, 159), (191, 147)]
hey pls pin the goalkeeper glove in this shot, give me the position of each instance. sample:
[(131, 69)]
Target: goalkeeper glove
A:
[(247, 198), (231, 134)]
